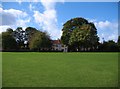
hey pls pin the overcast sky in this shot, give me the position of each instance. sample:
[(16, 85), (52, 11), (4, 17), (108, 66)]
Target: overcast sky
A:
[(50, 16)]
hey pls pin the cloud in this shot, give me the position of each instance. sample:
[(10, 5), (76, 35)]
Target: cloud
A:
[(22, 23), (7, 19), (16, 13), (48, 4), (10, 16), (13, 18), (48, 19), (107, 30), (103, 24)]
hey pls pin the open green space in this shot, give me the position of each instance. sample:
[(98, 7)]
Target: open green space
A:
[(59, 69)]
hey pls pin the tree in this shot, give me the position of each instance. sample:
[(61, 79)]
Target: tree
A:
[(20, 35), (30, 31), (119, 42), (79, 34), (40, 41), (69, 26), (8, 42)]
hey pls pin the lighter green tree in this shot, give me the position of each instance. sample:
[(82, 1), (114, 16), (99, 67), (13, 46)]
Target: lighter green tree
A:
[(40, 41)]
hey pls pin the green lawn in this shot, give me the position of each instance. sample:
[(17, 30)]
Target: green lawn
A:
[(60, 69)]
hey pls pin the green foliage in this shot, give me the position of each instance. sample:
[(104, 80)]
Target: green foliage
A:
[(109, 46), (118, 42), (65, 37), (30, 31), (8, 42), (79, 33), (40, 41), (25, 39), (69, 26)]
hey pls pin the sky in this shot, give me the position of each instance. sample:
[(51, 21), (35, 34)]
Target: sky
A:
[(50, 16)]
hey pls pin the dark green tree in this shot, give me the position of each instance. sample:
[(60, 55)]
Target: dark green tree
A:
[(8, 42), (108, 46), (119, 42)]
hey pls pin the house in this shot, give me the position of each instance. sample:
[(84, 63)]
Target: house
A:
[(58, 46)]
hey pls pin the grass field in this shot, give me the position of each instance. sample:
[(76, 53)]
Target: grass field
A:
[(60, 69)]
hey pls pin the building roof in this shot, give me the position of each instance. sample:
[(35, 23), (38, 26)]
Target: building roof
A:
[(56, 41)]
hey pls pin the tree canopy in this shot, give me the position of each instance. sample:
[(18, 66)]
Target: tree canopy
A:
[(78, 32), (40, 41), (8, 42), (30, 31)]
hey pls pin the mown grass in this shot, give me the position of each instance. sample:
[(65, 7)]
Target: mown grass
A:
[(60, 69)]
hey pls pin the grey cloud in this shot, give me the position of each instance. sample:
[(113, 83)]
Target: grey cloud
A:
[(8, 19)]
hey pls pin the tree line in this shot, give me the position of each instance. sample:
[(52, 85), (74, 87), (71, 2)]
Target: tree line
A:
[(78, 35), (28, 39)]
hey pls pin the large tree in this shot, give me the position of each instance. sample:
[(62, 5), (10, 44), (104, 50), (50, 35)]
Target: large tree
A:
[(79, 34)]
